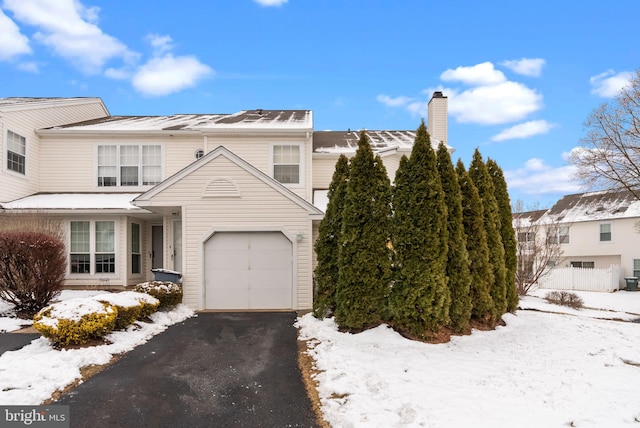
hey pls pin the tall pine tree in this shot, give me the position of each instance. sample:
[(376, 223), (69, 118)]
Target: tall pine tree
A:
[(364, 255), (483, 182), (477, 248), (457, 256), (328, 242), (419, 300), (506, 232)]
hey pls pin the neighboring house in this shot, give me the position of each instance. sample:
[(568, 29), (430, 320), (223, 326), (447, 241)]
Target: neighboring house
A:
[(232, 201), (595, 230)]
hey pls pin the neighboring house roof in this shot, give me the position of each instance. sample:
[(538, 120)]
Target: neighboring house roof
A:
[(526, 218), (602, 205), (252, 119), (20, 103), (347, 141), (74, 201), (144, 200)]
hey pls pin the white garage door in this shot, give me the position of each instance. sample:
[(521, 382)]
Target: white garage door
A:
[(248, 270)]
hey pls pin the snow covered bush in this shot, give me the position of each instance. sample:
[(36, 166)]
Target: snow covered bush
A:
[(131, 306), (565, 298), (168, 293), (75, 321), (32, 269)]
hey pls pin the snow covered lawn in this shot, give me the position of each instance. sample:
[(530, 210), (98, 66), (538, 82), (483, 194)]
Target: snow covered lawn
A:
[(542, 369), (32, 374)]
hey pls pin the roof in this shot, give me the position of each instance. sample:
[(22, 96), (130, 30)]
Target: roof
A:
[(347, 141), (74, 201), (602, 205), (526, 218), (254, 119), (26, 100)]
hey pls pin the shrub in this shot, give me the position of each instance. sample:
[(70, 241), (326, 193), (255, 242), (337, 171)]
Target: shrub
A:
[(564, 298), (131, 306), (168, 293), (75, 321), (32, 269)]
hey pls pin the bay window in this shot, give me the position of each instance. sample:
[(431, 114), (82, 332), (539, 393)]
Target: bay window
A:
[(92, 247)]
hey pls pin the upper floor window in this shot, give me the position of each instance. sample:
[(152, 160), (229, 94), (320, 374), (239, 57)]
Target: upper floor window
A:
[(129, 165), (559, 235), (16, 152), (286, 164), (605, 232)]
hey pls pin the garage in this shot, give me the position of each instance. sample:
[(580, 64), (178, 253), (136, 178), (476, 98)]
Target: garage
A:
[(248, 271)]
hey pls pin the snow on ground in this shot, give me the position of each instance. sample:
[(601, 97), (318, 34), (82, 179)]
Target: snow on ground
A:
[(32, 374), (541, 369)]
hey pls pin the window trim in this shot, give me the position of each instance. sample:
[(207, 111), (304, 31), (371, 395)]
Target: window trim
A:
[(7, 153), (93, 253), (141, 166), (301, 162)]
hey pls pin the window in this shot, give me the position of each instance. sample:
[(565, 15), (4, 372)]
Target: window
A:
[(135, 248), (605, 232), (80, 256), (286, 164), (92, 247), (129, 165), (16, 152), (526, 236), (583, 265), (559, 235), (636, 268)]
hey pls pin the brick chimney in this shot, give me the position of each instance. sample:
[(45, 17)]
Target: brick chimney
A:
[(437, 123)]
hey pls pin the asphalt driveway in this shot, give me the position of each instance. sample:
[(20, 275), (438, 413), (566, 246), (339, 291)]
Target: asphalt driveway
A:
[(213, 370)]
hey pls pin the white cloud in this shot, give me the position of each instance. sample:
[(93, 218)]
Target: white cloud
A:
[(494, 104), (12, 42), (71, 30), (480, 74), (160, 44), (536, 177), (168, 74), (30, 67), (524, 130), (394, 101), (271, 2), (531, 67), (609, 83)]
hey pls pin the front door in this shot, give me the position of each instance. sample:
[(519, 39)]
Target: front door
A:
[(157, 247)]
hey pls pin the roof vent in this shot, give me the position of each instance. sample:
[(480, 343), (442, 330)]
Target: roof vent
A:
[(259, 111)]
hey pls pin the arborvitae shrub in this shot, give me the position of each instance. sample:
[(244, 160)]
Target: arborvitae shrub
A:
[(168, 293), (131, 306), (483, 182), (33, 266), (419, 299), (457, 256), (364, 255), (476, 238), (506, 232), (75, 321), (328, 243)]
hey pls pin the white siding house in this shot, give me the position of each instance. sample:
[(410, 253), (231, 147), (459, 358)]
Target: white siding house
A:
[(231, 201)]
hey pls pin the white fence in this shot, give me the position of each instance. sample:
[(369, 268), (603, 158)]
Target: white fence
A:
[(571, 278)]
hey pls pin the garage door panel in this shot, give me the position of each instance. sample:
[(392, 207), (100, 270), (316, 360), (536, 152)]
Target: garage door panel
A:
[(270, 259), (248, 270)]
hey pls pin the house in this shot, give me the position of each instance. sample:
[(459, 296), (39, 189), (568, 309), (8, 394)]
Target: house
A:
[(594, 230), (231, 201)]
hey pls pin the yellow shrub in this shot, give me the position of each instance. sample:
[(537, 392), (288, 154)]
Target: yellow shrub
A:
[(75, 321), (131, 306), (168, 293)]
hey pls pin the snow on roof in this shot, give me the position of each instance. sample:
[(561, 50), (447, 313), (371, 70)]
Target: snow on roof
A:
[(601, 205), (347, 141), (279, 119), (74, 201), (11, 101)]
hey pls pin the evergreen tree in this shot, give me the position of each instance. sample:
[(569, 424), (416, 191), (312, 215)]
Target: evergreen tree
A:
[(457, 256), (328, 242), (364, 255), (483, 182), (506, 232), (477, 248), (419, 300)]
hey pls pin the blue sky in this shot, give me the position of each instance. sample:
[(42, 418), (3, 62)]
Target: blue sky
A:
[(521, 77)]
